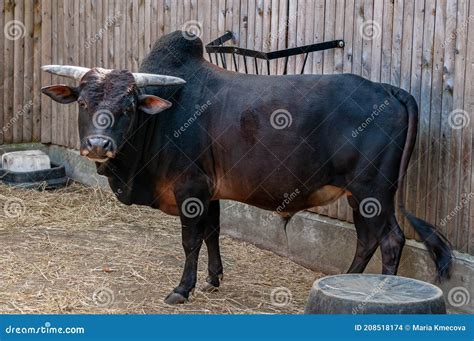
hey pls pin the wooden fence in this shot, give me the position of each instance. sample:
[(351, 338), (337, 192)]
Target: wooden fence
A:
[(423, 46)]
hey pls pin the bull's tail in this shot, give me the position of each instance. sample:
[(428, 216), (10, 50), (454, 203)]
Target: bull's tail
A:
[(437, 245)]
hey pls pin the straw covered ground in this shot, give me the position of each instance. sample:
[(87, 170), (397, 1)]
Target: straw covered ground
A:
[(78, 250)]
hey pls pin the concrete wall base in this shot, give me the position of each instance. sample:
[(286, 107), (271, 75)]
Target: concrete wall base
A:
[(316, 242)]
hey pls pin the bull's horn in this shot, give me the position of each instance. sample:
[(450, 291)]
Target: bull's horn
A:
[(144, 79), (76, 72)]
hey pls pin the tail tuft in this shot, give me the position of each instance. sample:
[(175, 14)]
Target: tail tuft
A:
[(437, 245)]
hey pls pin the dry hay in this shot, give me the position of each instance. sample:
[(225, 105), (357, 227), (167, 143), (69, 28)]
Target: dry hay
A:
[(79, 250)]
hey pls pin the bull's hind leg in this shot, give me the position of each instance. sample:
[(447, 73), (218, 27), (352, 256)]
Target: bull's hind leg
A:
[(391, 247), (367, 242), (376, 225), (211, 238)]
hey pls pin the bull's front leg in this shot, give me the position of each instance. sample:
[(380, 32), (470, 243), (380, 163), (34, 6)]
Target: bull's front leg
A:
[(192, 209)]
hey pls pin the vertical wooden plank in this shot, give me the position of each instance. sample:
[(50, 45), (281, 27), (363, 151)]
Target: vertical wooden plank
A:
[(28, 61), (109, 35), (357, 42), (284, 22), (74, 139), (329, 28), (167, 17), (424, 107), (235, 26), (434, 148), (308, 33), (141, 29), (456, 162), (415, 89), (251, 32), (397, 36), (45, 77), (386, 36), (115, 27), (369, 29), (319, 13), (55, 79), (36, 115), (129, 44), (338, 34), (154, 20), (292, 32), (243, 31), (467, 216), (66, 52), (204, 18), (100, 25), (446, 108), (18, 61), (300, 34), (275, 31), (266, 30), (104, 43), (134, 29), (376, 53), (258, 38), (348, 35)]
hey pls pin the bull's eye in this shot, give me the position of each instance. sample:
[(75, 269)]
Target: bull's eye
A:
[(82, 103)]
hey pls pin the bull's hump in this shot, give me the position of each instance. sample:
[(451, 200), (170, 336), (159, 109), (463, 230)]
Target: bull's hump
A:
[(179, 44)]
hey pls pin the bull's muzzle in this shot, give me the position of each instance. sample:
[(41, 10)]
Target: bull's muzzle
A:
[(98, 148)]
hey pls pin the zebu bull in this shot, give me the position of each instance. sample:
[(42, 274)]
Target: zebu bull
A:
[(183, 141)]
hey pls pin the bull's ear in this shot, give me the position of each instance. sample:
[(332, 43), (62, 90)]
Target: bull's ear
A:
[(152, 104), (60, 93)]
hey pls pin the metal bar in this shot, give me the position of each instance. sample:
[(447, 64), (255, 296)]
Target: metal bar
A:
[(304, 62), (256, 65), (210, 57), (223, 61), (217, 59), (245, 65), (275, 54), (285, 70), (268, 67), (235, 62)]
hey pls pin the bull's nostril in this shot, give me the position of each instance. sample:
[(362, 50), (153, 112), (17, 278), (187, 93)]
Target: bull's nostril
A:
[(107, 144), (88, 144)]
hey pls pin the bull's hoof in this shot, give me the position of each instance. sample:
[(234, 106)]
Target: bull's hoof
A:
[(175, 298), (208, 287)]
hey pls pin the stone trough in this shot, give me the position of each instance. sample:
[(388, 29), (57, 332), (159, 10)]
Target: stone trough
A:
[(374, 294)]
